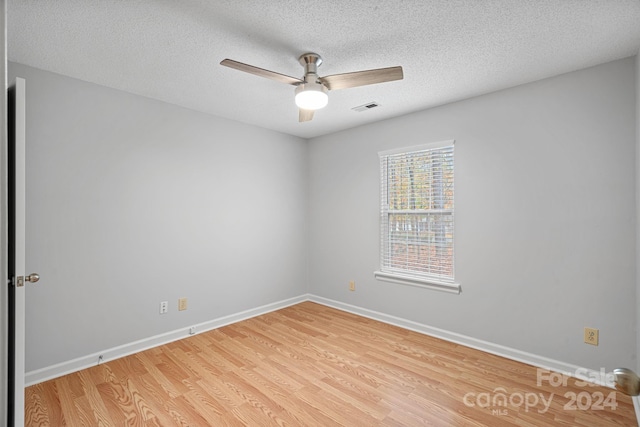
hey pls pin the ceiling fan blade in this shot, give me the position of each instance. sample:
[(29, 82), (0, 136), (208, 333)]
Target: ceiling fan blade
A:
[(305, 115), (362, 78), (261, 72)]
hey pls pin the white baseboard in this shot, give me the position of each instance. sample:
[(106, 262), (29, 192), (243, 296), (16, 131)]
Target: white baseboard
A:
[(60, 369), (54, 371), (636, 407), (598, 377)]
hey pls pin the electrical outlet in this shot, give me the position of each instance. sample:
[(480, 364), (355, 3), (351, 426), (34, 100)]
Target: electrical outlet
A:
[(164, 307), (591, 336), (352, 285), (182, 304)]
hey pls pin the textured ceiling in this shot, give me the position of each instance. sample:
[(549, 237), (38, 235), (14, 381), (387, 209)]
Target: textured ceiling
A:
[(449, 49)]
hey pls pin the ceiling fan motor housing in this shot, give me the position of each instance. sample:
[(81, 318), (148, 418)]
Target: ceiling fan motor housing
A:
[(312, 94), (310, 62)]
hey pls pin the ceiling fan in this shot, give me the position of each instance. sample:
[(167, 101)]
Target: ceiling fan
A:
[(311, 90)]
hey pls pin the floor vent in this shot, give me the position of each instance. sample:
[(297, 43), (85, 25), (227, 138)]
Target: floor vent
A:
[(367, 106)]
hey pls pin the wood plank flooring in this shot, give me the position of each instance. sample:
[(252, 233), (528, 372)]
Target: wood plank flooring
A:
[(310, 365)]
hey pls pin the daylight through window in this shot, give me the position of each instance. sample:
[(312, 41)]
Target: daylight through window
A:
[(417, 213)]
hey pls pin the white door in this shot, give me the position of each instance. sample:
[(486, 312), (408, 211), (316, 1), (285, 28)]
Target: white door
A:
[(17, 134)]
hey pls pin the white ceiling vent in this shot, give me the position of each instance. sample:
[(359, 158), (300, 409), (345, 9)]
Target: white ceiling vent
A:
[(367, 106)]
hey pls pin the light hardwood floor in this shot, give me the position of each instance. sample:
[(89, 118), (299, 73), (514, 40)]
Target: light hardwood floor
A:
[(310, 365)]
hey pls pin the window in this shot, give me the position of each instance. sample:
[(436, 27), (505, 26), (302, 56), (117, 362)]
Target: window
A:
[(416, 216)]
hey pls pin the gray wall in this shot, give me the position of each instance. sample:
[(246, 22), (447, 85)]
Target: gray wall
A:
[(545, 216), (132, 201)]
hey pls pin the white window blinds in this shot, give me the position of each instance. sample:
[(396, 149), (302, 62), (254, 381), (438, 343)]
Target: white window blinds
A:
[(417, 212)]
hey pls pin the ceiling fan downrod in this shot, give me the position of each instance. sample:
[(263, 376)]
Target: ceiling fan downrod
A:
[(310, 62)]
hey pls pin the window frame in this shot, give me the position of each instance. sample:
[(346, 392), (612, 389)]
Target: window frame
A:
[(419, 279)]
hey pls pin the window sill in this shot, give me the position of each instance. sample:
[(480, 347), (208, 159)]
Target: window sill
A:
[(419, 282)]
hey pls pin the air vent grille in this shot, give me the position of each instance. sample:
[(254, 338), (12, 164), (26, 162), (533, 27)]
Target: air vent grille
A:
[(366, 107)]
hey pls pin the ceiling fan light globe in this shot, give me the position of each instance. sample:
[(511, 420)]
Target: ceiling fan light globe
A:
[(311, 96)]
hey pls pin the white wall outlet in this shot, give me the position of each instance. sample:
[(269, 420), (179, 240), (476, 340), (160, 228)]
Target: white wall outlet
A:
[(164, 307), (182, 304)]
